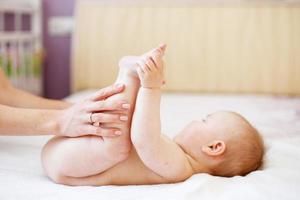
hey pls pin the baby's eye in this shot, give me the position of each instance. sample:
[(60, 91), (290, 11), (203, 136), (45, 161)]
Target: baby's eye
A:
[(204, 120)]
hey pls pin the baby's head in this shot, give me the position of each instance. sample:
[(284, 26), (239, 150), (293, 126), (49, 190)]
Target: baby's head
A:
[(222, 144)]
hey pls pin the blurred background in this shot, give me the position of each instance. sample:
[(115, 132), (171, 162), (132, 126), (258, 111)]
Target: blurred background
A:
[(35, 38), (56, 47)]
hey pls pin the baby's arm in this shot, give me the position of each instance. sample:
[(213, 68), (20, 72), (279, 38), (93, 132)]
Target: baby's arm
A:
[(157, 152)]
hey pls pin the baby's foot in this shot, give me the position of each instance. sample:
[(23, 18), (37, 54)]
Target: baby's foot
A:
[(130, 63)]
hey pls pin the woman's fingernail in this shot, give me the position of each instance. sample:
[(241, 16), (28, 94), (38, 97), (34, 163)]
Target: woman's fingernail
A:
[(118, 133), (124, 118), (126, 105)]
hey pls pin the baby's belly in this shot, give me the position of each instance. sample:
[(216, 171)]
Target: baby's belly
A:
[(129, 172)]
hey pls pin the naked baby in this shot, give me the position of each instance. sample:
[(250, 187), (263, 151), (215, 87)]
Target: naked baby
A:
[(222, 144)]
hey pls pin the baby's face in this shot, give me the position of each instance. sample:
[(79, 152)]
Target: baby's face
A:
[(216, 126)]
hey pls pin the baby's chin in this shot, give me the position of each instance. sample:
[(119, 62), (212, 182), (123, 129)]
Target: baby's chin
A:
[(183, 139)]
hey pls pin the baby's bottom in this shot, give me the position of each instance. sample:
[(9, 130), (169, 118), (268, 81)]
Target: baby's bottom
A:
[(80, 157), (64, 157)]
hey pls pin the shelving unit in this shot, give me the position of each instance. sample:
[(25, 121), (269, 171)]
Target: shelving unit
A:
[(21, 43)]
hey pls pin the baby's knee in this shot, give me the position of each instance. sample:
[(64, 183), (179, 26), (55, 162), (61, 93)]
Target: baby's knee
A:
[(121, 151)]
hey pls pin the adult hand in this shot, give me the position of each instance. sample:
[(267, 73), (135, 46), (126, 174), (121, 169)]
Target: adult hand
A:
[(79, 119)]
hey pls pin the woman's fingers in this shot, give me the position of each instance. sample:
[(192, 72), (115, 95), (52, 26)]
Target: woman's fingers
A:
[(104, 132), (107, 106), (107, 118), (107, 92)]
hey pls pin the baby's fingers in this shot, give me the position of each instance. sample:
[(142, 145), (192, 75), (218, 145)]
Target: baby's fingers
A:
[(163, 47), (140, 71), (150, 63), (143, 66), (157, 59)]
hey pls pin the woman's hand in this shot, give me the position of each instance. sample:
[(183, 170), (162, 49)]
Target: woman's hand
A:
[(86, 117)]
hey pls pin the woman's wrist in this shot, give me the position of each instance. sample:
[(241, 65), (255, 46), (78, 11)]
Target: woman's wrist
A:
[(52, 122), (59, 104), (22, 121)]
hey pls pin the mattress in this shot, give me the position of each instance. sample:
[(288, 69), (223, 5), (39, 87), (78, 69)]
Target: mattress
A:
[(276, 117)]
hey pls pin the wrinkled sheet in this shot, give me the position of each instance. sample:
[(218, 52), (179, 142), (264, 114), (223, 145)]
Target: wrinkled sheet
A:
[(276, 117)]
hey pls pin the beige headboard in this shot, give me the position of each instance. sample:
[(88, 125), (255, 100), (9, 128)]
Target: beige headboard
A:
[(243, 47)]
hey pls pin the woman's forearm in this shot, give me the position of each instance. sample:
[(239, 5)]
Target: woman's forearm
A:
[(17, 98), (14, 97), (22, 121)]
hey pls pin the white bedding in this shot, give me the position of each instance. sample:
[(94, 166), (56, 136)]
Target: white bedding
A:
[(278, 119)]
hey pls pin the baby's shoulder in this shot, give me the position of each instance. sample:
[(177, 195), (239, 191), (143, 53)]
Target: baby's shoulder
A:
[(183, 167)]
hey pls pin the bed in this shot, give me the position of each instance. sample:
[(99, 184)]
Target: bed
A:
[(276, 117), (238, 47)]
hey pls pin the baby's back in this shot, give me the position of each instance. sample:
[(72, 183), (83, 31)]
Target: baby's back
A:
[(132, 171), (90, 161)]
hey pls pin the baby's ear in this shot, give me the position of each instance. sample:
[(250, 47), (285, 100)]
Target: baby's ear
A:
[(214, 148)]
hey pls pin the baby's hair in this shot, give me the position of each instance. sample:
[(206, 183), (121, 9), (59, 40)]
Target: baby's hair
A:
[(244, 152)]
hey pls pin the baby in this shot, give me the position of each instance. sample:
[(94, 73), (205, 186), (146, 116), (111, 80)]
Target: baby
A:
[(222, 144)]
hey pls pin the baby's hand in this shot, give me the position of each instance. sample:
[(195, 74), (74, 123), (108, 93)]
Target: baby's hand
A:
[(151, 68)]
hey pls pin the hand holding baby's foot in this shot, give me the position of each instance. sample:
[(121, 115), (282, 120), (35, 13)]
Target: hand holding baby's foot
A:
[(151, 68)]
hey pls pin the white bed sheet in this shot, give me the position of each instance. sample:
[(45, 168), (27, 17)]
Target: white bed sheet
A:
[(278, 119)]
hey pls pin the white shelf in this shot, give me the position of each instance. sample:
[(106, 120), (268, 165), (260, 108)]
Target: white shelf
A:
[(16, 43), (16, 8), (17, 36)]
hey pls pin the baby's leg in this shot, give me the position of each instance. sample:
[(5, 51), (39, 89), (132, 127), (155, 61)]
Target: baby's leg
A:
[(69, 160), (64, 157)]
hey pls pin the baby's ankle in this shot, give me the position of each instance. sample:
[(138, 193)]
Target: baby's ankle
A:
[(126, 76), (126, 73)]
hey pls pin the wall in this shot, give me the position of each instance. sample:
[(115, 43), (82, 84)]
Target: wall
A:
[(57, 63), (249, 48)]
